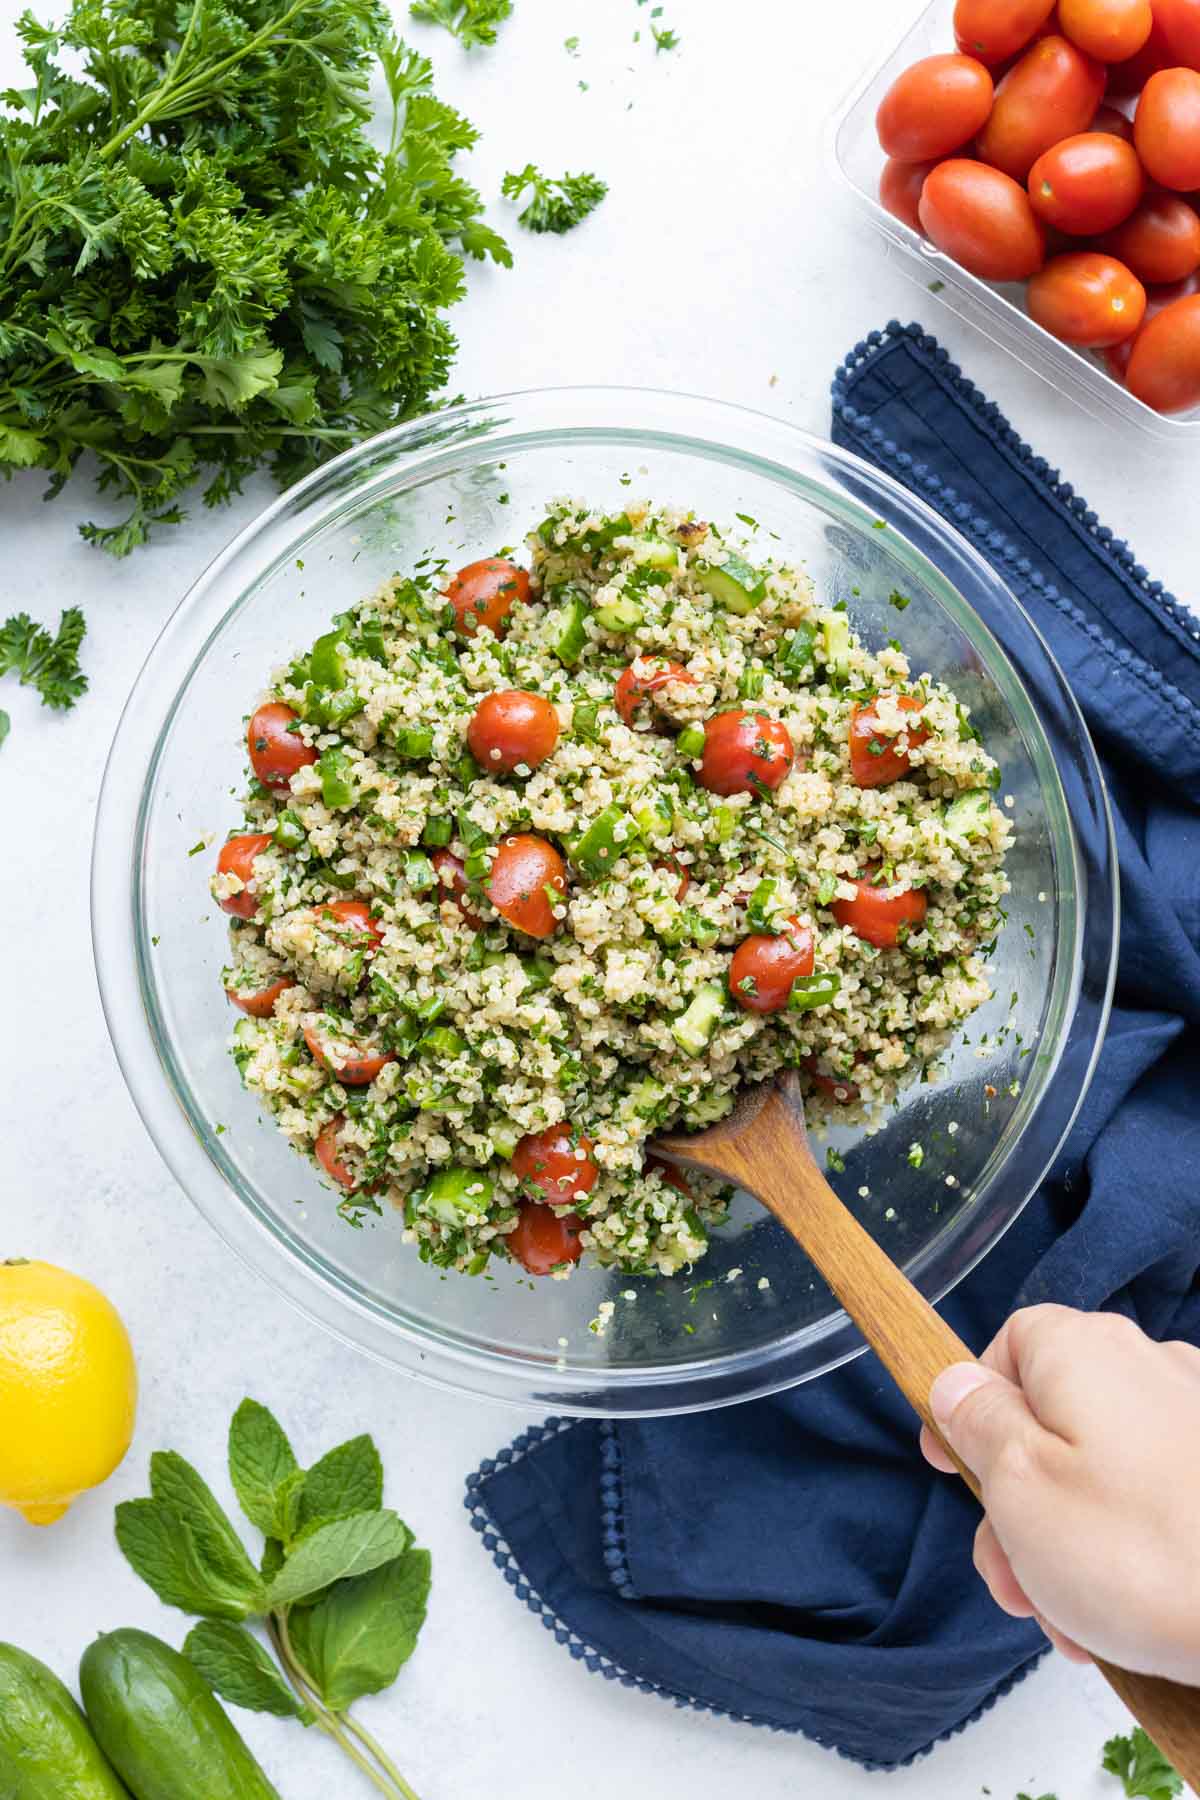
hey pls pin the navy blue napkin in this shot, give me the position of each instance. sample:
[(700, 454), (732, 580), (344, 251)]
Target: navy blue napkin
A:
[(793, 1562)]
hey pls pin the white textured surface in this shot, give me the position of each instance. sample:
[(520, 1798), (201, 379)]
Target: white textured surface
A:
[(747, 264)]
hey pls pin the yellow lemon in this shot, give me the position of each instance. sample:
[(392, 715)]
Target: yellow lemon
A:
[(68, 1388)]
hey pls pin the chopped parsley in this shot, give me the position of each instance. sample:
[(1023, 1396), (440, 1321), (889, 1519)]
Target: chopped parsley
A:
[(472, 22), (555, 204), (895, 598), (1138, 1762)]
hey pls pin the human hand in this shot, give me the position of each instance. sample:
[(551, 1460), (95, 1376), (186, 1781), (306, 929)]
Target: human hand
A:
[(1085, 1437)]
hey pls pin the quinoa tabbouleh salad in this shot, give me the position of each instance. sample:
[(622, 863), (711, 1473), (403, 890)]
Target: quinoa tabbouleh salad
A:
[(538, 860)]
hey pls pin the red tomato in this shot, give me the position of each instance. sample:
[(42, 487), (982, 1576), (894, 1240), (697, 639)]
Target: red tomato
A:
[(994, 30), (1088, 299), (933, 108), (542, 1239), (276, 750), (1126, 78), (763, 969), (834, 1087), (484, 593), (559, 1161), (672, 867), (1086, 184), (1117, 356), (510, 728), (326, 1152), (363, 931), (645, 675), (262, 1004), (1166, 128), (524, 867), (1160, 242), (1179, 21), (1115, 123), (877, 914), (900, 189), (744, 752), (1110, 30), (1052, 93), (876, 758), (356, 1070), (451, 873), (671, 1175), (1164, 367), (237, 858), (983, 219)]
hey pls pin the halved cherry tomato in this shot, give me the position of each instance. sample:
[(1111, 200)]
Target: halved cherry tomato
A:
[(994, 30), (834, 1087), (484, 593), (763, 969), (559, 1161), (983, 219), (262, 1004), (1115, 123), (276, 749), (1166, 129), (1160, 242), (744, 752), (326, 1152), (1179, 21), (674, 1177), (237, 858), (672, 867), (451, 873), (1126, 78), (900, 189), (1087, 184), (542, 1240), (878, 914), (512, 727), (1164, 367), (1052, 93), (1110, 30), (357, 915), (524, 867), (645, 675), (875, 757), (357, 1069), (1087, 299), (1117, 356), (933, 108)]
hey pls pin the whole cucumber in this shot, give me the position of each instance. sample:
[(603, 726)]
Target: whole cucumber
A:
[(160, 1724), (46, 1749)]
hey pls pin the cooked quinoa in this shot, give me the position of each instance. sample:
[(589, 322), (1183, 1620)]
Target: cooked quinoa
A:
[(414, 1039)]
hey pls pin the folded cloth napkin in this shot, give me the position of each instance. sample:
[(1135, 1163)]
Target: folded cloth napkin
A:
[(793, 1562)]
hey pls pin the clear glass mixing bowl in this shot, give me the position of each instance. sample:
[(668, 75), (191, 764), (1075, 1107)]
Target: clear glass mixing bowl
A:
[(463, 483)]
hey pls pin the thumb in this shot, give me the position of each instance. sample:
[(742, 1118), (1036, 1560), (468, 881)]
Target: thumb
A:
[(979, 1413)]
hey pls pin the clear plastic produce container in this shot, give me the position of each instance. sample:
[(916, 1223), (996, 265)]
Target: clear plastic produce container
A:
[(998, 310)]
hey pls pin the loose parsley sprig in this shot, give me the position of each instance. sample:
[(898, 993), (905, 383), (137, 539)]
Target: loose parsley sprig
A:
[(1142, 1767), (49, 664), (555, 204), (472, 22)]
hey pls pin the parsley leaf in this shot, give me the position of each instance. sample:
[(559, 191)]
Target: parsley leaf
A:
[(554, 205), (1141, 1765), (473, 22), (50, 664)]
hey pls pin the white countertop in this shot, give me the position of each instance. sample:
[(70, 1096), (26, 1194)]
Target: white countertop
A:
[(726, 260)]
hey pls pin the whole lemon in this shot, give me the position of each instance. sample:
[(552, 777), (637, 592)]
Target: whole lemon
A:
[(68, 1388)]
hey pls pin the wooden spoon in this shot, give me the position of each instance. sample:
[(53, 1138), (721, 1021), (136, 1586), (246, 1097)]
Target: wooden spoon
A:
[(763, 1147)]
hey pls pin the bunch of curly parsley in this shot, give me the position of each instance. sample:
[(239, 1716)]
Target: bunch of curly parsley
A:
[(205, 263)]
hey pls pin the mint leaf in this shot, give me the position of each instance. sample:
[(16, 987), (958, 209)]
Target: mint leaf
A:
[(272, 1560), (1140, 1764), (348, 1479), (332, 1552), (236, 1666), (176, 1485), (358, 1636), (163, 1552), (260, 1462)]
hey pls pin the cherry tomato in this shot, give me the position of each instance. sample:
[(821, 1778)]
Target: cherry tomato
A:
[(237, 858), (1130, 77), (983, 219), (645, 675), (763, 969), (671, 1175), (933, 108), (276, 750), (484, 593), (1164, 367), (1117, 356), (326, 1152), (510, 728), (1087, 299), (541, 1240), (262, 1004), (875, 757), (1166, 129), (834, 1087), (363, 931), (672, 867), (1052, 93), (1179, 21), (1109, 30), (744, 752), (559, 1161), (1086, 184), (878, 914), (1115, 123), (1160, 242), (355, 1070), (994, 30), (451, 873), (900, 189), (524, 867)]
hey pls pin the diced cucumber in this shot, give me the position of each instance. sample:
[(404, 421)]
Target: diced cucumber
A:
[(695, 1026), (415, 742), (439, 829), (810, 991), (797, 652), (505, 1137), (835, 643), (725, 823), (969, 816), (570, 636), (619, 616), (654, 553), (733, 583), (455, 1192), (654, 818), (690, 742), (645, 1097), (289, 832), (443, 1041), (763, 911), (606, 839)]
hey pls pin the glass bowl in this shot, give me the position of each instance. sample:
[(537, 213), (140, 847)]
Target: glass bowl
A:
[(753, 1316)]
